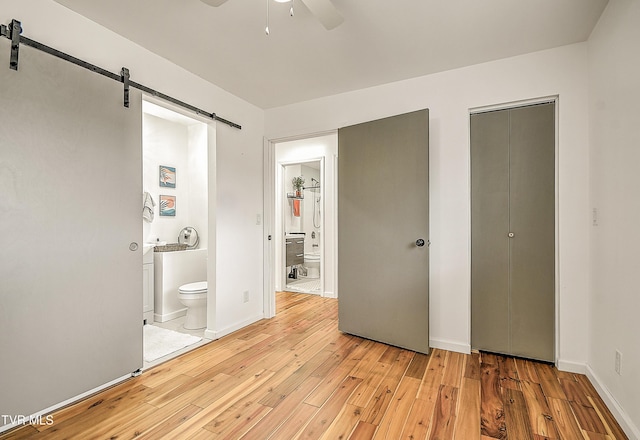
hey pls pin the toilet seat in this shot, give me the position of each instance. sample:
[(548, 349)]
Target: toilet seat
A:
[(193, 288)]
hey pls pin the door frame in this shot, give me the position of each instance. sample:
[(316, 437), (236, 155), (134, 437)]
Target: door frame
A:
[(555, 99), (269, 217)]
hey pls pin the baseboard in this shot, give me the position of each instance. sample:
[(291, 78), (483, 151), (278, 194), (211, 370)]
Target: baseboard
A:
[(217, 334), (450, 346), (41, 416), (571, 367), (169, 316), (329, 295), (618, 412)]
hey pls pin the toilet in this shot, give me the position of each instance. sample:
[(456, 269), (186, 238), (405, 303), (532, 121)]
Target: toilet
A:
[(312, 263), (194, 297)]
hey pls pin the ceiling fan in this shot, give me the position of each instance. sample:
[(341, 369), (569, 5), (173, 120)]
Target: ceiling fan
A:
[(324, 10)]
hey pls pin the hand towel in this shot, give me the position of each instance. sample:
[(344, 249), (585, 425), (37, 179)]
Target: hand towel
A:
[(296, 207), (147, 207)]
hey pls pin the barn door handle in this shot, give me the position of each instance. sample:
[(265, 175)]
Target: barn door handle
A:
[(511, 234)]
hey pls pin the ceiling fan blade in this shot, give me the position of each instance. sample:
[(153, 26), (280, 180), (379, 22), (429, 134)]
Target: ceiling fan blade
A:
[(325, 12), (213, 2)]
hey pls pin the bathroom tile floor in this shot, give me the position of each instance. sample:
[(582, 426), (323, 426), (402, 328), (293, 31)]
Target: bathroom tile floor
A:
[(178, 326), (304, 285)]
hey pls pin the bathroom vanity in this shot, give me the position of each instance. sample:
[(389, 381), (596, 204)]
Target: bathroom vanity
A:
[(147, 284), (294, 245)]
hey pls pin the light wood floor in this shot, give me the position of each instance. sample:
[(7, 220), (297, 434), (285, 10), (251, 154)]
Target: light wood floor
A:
[(297, 376)]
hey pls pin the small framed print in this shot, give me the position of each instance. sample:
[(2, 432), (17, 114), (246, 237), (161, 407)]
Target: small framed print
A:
[(167, 177), (168, 206)]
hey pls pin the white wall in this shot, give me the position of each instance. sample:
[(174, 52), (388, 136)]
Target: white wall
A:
[(325, 148), (449, 96), (236, 198), (183, 147), (614, 69)]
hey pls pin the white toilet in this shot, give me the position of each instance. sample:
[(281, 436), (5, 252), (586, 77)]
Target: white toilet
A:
[(194, 297), (312, 263)]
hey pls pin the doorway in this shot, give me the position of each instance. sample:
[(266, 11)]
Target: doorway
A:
[(176, 150), (302, 218), (318, 155), (513, 230)]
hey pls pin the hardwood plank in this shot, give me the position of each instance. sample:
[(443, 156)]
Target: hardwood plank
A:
[(363, 431), (467, 425), (298, 421), (237, 420), (419, 420), (283, 411), (508, 373), (337, 376), (573, 390), (397, 411), (445, 414), (492, 420), (610, 424), (375, 410), (587, 418), (277, 394), (540, 417), (516, 415), (527, 370), (454, 363), (434, 374), (23, 432), (161, 430), (418, 366), (330, 409), (595, 436), (472, 366), (565, 422), (549, 381), (344, 423), (368, 361), (364, 393)]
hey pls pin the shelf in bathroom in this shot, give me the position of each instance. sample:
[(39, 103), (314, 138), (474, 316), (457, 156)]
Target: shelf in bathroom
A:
[(170, 247)]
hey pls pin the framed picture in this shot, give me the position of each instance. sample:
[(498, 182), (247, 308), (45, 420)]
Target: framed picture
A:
[(167, 177), (168, 206)]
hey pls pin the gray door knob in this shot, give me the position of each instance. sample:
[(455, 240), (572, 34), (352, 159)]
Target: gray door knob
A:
[(420, 242)]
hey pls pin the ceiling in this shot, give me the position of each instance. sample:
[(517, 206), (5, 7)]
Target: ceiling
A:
[(380, 41)]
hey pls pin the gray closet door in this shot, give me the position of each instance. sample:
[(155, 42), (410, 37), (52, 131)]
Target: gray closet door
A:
[(383, 209), (513, 231), (70, 185)]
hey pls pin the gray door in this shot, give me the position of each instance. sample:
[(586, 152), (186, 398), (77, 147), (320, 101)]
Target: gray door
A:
[(513, 231), (70, 185), (383, 210)]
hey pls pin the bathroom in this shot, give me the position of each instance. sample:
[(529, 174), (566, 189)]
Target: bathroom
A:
[(175, 228), (305, 221), (302, 224)]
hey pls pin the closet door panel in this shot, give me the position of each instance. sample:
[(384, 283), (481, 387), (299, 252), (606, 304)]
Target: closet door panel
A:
[(490, 226), (532, 213)]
